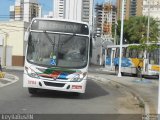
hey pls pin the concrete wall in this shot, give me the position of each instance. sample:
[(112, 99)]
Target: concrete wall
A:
[(13, 47)]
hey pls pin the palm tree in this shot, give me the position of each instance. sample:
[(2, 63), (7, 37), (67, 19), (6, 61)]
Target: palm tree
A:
[(135, 30)]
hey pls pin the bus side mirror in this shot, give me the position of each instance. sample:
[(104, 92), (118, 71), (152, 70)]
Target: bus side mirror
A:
[(92, 44), (26, 35)]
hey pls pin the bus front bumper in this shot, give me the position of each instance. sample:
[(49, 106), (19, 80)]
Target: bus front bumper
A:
[(78, 87)]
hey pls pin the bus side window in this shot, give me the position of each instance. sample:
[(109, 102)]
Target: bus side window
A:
[(130, 53), (133, 54), (151, 58), (117, 52), (140, 54), (109, 52), (123, 52), (127, 53), (154, 57)]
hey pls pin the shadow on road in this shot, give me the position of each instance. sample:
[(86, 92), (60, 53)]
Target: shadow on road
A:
[(93, 90)]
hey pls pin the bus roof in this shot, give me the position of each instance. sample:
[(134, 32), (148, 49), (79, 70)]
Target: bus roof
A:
[(65, 20), (124, 45)]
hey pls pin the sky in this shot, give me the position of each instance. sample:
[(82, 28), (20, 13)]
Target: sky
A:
[(47, 5)]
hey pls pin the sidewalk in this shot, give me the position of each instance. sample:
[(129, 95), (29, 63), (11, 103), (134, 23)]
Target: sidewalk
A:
[(19, 68), (146, 90)]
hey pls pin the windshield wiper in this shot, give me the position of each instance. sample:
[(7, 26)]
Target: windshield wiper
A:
[(70, 38), (53, 43)]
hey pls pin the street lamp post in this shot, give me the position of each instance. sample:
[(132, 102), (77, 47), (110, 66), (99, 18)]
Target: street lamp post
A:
[(121, 39)]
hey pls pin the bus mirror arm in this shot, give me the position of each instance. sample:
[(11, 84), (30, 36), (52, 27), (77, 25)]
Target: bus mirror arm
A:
[(92, 44), (26, 35)]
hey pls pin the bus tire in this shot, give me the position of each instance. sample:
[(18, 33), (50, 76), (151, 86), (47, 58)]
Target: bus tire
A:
[(116, 69), (32, 90), (76, 94)]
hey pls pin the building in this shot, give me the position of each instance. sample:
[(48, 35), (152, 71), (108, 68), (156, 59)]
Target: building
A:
[(87, 11), (105, 18), (58, 8), (98, 19), (131, 8), (25, 10), (73, 10), (12, 45), (79, 10), (154, 10), (49, 15)]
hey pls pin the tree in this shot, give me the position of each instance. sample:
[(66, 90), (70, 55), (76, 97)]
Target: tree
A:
[(125, 31), (135, 30)]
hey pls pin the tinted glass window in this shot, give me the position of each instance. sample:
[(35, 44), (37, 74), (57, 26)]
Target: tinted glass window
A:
[(60, 26)]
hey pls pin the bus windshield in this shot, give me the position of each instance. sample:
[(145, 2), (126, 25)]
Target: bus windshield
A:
[(58, 50)]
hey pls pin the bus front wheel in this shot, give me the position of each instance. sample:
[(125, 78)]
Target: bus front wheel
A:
[(76, 94), (32, 90)]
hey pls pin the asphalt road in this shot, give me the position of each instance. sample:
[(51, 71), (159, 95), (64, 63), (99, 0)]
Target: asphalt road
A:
[(98, 99)]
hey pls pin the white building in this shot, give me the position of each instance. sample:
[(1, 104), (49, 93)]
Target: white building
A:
[(73, 9), (154, 10), (25, 10), (87, 11), (79, 10), (58, 8)]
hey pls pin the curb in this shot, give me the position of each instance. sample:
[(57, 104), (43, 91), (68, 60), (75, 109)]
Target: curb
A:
[(14, 68), (138, 97), (130, 90)]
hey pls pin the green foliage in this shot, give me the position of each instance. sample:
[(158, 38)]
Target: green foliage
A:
[(137, 47), (135, 30), (143, 47)]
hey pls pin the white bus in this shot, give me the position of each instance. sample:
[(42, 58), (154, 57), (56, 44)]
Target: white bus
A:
[(133, 61), (57, 55)]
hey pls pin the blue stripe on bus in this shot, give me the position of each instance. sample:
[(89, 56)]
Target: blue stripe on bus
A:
[(125, 62)]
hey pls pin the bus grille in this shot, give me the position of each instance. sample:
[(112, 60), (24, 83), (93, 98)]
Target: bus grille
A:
[(54, 84)]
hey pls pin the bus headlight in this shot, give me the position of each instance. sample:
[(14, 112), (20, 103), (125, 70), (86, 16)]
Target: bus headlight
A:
[(31, 72), (78, 78)]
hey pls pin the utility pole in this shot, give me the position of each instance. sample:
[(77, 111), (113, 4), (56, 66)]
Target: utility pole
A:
[(121, 39)]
